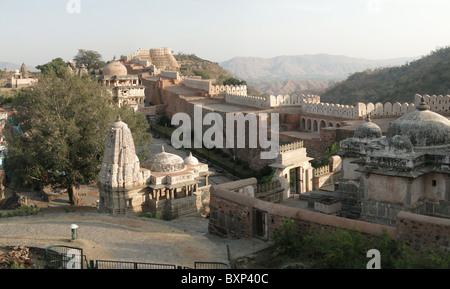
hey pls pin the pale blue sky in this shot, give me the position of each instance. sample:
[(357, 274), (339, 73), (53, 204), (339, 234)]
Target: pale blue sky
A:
[(35, 32)]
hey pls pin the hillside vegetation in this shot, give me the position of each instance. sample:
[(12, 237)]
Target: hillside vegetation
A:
[(428, 75), (192, 65)]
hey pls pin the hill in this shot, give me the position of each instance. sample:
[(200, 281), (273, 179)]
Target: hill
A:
[(318, 66), (290, 86), (287, 74), (192, 65), (428, 75)]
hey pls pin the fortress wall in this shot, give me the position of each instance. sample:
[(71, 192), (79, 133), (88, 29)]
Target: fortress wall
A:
[(252, 101), (223, 89), (330, 109), (292, 100), (170, 74), (161, 57), (437, 103), (197, 83)]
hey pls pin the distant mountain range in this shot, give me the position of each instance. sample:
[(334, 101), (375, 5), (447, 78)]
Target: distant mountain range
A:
[(287, 74), (8, 66)]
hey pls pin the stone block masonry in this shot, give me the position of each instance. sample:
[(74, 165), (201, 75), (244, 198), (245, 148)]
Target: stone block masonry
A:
[(420, 230), (237, 215)]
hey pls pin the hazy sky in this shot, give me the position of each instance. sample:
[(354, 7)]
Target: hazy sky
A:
[(35, 32)]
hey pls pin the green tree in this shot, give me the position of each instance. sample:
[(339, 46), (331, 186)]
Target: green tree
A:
[(57, 136), (56, 67), (91, 59), (234, 81)]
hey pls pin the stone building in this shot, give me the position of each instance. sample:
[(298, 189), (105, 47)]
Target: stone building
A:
[(161, 58), (163, 183), (407, 170), (125, 89), (20, 78)]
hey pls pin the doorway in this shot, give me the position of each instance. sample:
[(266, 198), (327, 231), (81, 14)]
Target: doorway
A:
[(260, 222)]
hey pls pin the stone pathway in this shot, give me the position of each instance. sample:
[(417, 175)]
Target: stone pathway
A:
[(124, 238)]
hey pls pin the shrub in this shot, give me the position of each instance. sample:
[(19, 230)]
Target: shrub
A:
[(287, 239), (337, 248), (23, 211)]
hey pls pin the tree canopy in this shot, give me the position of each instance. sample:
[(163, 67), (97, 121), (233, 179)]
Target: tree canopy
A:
[(57, 135), (234, 81), (91, 59), (56, 67)]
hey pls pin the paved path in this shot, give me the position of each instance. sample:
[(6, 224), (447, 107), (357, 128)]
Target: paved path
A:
[(125, 238)]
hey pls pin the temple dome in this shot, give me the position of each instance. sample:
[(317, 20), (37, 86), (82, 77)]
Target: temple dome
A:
[(114, 68), (119, 123), (368, 130), (423, 127), (191, 160), (164, 163)]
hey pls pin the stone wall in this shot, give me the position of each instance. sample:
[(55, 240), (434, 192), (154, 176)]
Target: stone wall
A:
[(161, 57), (420, 230), (324, 176), (170, 74), (292, 100), (197, 83), (252, 101), (223, 89), (437, 103), (234, 214)]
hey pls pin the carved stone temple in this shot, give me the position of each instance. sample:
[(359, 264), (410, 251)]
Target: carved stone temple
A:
[(406, 170), (163, 182)]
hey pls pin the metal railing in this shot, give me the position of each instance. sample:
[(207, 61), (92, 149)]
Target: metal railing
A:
[(103, 264), (65, 257), (210, 265)]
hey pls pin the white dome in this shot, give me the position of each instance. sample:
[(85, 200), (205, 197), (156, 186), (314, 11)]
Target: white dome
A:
[(164, 163), (191, 160)]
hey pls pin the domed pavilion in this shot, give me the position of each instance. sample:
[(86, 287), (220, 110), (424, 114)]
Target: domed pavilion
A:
[(407, 170), (125, 89)]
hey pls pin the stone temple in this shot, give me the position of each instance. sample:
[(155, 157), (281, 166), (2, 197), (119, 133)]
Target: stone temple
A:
[(407, 170), (163, 183)]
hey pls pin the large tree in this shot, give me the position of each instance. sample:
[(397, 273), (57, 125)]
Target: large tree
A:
[(57, 136), (57, 67), (91, 59)]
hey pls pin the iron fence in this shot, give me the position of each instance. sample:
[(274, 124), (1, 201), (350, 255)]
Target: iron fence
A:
[(65, 257), (103, 264), (210, 265)]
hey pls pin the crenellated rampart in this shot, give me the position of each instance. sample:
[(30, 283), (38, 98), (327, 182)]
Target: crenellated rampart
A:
[(292, 100), (437, 103), (231, 89), (252, 101)]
